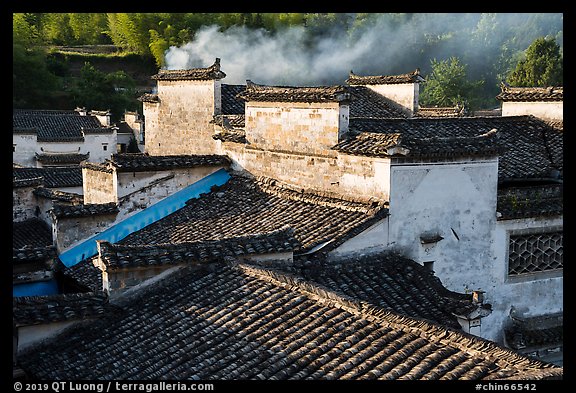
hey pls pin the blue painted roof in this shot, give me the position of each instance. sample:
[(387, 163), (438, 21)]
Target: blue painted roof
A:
[(40, 288), (161, 209)]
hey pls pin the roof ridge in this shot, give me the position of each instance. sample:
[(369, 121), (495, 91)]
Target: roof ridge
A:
[(323, 198), (429, 330)]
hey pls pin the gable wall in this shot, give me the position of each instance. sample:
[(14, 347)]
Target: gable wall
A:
[(181, 122)]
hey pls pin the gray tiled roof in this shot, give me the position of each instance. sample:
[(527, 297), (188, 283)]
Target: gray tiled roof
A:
[(395, 283), (241, 322), (35, 310), (521, 202), (55, 126), (118, 256), (32, 232), (546, 330), (83, 274), (245, 206), (528, 146), (433, 111), (232, 128), (52, 177), (84, 210), (137, 162), (531, 94), (231, 104), (57, 195), (256, 92), (51, 159), (212, 72), (382, 145), (31, 241), (410, 77), (237, 136)]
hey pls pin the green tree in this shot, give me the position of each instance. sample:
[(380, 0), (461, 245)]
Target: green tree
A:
[(447, 85), (88, 28), (31, 79), (543, 65), (97, 90), (158, 46)]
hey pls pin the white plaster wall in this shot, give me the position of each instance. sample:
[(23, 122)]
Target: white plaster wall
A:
[(456, 200), (27, 147), (404, 94), (372, 240), (93, 144), (530, 295), (139, 190), (24, 149), (552, 110)]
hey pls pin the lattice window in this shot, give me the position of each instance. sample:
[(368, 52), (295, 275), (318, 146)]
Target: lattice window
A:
[(537, 252)]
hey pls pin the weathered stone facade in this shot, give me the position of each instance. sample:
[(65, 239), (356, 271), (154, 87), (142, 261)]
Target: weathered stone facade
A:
[(179, 121)]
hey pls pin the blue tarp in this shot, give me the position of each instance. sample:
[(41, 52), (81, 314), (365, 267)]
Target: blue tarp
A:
[(39, 288), (134, 223)]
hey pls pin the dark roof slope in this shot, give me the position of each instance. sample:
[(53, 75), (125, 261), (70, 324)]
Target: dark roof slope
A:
[(530, 201), (240, 322), (256, 92), (528, 147), (84, 210), (395, 283), (531, 94), (60, 159), (35, 310), (231, 104), (118, 256), (245, 206), (33, 232), (55, 126), (51, 177), (139, 162), (31, 241)]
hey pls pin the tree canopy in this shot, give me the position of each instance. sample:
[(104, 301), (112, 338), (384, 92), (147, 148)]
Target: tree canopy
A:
[(459, 48), (541, 67)]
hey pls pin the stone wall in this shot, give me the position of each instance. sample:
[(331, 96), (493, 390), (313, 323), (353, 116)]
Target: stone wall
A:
[(351, 176), (301, 127), (99, 186), (181, 122), (24, 203), (70, 231)]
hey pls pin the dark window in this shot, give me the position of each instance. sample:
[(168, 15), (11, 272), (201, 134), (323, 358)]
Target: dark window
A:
[(536, 252)]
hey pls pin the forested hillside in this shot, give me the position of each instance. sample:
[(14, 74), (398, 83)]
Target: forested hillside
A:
[(84, 59)]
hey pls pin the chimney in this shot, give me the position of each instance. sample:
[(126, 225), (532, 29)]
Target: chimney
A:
[(478, 297)]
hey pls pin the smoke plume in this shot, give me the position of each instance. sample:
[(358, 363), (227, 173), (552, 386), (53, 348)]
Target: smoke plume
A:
[(292, 56)]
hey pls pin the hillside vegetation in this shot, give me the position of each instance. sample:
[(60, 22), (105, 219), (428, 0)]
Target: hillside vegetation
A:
[(105, 60)]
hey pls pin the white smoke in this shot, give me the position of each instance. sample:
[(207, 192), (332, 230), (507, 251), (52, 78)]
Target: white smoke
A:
[(291, 57), (284, 58)]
